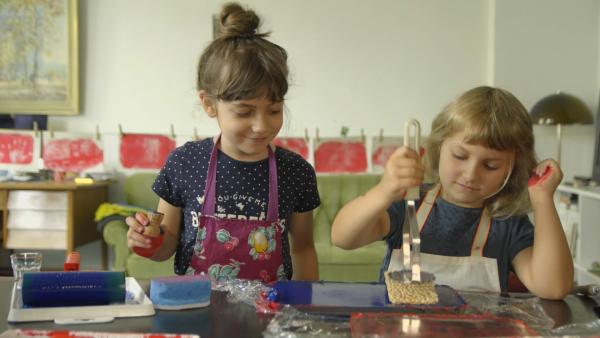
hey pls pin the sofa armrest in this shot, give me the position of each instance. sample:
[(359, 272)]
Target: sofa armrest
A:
[(115, 236)]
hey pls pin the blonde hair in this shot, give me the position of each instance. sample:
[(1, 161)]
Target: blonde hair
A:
[(240, 63), (496, 119)]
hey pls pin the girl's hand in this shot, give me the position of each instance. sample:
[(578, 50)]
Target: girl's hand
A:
[(135, 237), (545, 179), (403, 170)]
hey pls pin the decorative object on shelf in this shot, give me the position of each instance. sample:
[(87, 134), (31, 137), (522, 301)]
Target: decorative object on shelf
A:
[(558, 109), (42, 72)]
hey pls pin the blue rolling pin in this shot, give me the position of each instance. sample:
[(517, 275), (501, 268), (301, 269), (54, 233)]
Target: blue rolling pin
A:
[(51, 289)]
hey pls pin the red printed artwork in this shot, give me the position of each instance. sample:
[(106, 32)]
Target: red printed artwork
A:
[(341, 156), (142, 151), (16, 148), (382, 154), (72, 154), (295, 144)]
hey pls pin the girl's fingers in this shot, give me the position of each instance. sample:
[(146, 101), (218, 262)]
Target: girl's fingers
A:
[(136, 239), (141, 218), (134, 234), (544, 171), (134, 224)]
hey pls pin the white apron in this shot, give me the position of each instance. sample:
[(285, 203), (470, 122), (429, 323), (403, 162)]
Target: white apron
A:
[(469, 273)]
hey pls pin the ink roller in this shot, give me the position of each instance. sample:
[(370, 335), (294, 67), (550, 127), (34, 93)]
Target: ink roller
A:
[(72, 288)]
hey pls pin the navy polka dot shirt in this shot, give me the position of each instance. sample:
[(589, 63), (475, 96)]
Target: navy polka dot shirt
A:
[(242, 190)]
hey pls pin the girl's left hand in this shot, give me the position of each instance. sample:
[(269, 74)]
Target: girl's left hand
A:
[(546, 178)]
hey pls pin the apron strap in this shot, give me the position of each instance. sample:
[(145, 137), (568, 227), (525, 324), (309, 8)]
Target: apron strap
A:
[(209, 205), (273, 206), (483, 228), (427, 205), (483, 231)]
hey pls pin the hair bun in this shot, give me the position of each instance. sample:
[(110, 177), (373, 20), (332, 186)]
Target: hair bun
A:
[(238, 22)]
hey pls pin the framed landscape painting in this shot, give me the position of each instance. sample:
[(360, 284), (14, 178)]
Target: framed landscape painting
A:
[(39, 57)]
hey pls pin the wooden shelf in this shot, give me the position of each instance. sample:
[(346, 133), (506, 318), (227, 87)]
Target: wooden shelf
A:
[(52, 202), (588, 231)]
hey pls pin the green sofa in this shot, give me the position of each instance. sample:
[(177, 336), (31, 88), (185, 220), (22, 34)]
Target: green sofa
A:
[(335, 264)]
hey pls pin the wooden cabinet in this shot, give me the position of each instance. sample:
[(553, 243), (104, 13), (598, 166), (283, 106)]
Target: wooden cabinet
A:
[(587, 232), (49, 215)]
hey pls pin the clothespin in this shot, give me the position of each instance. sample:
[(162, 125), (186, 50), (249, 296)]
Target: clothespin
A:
[(381, 135), (173, 131), (120, 130), (35, 129), (362, 135), (306, 135), (317, 135), (98, 132)]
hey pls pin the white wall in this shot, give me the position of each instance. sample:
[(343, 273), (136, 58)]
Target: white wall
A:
[(543, 47), (361, 64), (139, 61)]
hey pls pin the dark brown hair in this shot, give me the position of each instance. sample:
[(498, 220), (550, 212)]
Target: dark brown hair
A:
[(494, 118), (240, 63)]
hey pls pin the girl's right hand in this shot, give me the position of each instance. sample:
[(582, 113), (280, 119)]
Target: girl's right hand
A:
[(135, 237), (404, 169)]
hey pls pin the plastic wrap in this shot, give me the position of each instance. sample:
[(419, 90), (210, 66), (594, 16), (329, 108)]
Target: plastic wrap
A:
[(520, 312), (578, 329), (527, 309), (513, 314), (251, 292), (291, 323)]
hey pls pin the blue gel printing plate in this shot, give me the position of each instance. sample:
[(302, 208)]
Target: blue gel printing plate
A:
[(355, 295), (137, 304)]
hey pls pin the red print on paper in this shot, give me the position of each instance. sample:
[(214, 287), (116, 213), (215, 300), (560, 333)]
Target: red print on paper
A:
[(337, 156), (295, 144), (16, 148), (141, 151), (382, 154), (72, 155)]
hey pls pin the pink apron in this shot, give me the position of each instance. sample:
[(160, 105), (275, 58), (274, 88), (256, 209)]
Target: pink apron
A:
[(233, 248)]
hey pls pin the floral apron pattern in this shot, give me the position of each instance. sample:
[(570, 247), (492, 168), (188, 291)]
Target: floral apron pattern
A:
[(233, 248)]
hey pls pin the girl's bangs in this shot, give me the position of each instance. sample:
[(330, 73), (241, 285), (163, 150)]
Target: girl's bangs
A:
[(486, 132)]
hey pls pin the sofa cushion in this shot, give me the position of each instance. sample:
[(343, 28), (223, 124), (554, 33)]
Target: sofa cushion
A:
[(370, 254), (335, 264), (144, 268), (138, 191)]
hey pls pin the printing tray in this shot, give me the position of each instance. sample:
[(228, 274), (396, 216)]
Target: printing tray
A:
[(136, 304), (360, 297)]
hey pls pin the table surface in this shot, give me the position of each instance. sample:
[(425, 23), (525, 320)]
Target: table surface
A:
[(224, 319)]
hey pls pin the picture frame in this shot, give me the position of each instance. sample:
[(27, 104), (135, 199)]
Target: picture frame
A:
[(39, 57)]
